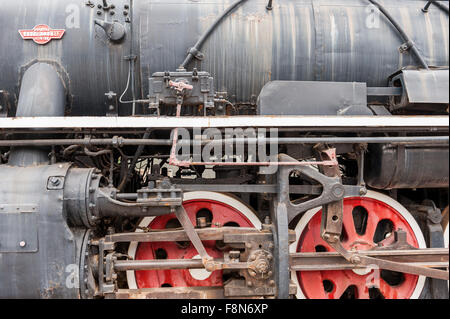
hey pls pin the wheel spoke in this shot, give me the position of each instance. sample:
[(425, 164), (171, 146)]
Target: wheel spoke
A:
[(349, 224), (339, 289), (363, 292), (372, 223)]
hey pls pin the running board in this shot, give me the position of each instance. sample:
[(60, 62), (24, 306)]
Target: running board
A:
[(306, 122)]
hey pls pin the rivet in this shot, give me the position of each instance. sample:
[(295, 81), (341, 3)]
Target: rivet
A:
[(22, 243)]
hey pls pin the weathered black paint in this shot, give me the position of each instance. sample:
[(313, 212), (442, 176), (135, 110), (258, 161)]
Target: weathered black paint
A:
[(320, 40)]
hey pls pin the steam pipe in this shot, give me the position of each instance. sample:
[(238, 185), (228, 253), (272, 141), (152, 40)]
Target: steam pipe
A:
[(282, 140), (403, 34), (42, 93), (198, 45)]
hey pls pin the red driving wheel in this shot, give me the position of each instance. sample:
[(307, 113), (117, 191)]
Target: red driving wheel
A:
[(218, 210), (367, 221)]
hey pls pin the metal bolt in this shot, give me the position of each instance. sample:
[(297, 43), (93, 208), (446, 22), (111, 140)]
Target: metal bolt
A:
[(362, 191), (55, 181), (355, 259), (209, 266), (126, 6), (125, 12), (262, 267), (99, 12), (112, 13), (22, 244)]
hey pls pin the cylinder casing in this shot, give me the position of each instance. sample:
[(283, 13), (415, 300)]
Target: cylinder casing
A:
[(407, 166)]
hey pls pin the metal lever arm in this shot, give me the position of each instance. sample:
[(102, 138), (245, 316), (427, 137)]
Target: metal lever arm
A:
[(183, 218)]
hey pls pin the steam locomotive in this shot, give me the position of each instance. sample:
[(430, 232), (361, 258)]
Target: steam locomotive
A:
[(224, 149)]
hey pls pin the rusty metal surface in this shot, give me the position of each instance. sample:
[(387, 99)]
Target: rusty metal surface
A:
[(171, 293), (430, 257)]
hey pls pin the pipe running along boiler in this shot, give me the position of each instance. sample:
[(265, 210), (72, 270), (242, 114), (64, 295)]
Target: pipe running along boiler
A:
[(99, 98)]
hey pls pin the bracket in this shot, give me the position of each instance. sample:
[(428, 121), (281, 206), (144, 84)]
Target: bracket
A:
[(112, 106), (431, 215), (284, 211)]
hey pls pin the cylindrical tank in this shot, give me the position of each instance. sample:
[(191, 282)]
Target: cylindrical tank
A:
[(323, 40), (406, 166)]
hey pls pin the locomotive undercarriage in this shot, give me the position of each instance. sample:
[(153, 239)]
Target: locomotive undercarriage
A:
[(259, 259)]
